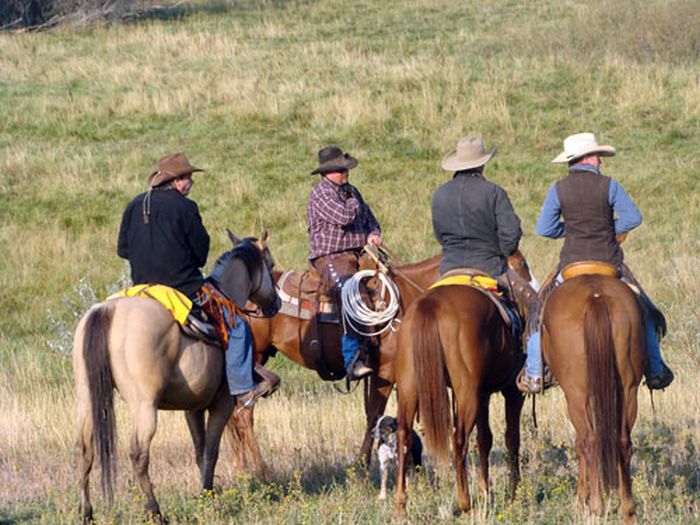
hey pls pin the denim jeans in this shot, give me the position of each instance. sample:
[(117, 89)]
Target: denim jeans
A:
[(239, 357)]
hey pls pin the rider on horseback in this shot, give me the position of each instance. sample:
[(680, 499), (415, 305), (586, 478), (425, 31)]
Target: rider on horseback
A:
[(588, 202), (340, 223), (474, 220), (163, 238)]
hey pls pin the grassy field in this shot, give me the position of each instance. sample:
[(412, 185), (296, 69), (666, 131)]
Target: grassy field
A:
[(250, 93)]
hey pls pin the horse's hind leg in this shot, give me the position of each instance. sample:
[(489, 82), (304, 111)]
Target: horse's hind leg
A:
[(145, 417), (514, 406), (484, 440), (628, 506), (408, 404), (467, 410), (86, 454)]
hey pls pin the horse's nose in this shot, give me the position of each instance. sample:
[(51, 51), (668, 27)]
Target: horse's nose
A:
[(274, 308)]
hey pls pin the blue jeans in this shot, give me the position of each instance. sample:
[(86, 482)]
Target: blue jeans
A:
[(350, 346), (533, 364), (239, 357)]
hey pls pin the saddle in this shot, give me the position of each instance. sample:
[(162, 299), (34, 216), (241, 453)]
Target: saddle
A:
[(303, 296), (488, 286), (589, 268)]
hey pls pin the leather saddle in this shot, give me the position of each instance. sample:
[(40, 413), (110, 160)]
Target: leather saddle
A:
[(303, 296)]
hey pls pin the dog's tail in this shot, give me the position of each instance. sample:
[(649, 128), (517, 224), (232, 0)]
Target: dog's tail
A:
[(429, 362)]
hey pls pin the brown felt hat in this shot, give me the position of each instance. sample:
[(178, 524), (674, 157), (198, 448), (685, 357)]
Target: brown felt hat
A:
[(171, 167), (332, 159)]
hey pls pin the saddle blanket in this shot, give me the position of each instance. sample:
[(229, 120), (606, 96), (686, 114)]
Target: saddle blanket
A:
[(177, 303), (482, 281)]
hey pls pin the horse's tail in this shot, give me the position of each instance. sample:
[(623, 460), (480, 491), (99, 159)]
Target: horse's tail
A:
[(604, 388), (429, 362), (101, 387)]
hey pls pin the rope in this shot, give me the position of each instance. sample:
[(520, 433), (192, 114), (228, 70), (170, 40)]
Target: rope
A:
[(356, 312)]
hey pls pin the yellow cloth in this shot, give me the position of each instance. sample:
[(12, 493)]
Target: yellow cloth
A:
[(482, 281), (177, 303)]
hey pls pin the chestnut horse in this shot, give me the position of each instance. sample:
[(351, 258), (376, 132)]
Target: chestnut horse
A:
[(134, 345), (297, 339), (593, 339), (458, 330)]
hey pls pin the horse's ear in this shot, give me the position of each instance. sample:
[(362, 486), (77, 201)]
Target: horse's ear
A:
[(264, 237), (235, 240)]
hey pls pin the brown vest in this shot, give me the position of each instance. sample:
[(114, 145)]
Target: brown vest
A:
[(588, 215)]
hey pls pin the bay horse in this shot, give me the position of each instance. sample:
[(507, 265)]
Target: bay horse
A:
[(297, 339), (594, 342), (454, 336), (134, 345)]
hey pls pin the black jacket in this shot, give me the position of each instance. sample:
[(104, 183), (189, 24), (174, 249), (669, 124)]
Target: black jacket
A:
[(475, 223), (171, 247)]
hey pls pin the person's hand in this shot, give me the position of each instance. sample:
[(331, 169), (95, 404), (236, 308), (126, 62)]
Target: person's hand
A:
[(374, 239), (346, 191)]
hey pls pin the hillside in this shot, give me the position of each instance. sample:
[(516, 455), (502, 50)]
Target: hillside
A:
[(251, 93)]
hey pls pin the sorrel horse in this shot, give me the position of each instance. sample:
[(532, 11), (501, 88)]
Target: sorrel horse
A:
[(593, 339), (134, 345), (297, 339), (458, 330), (294, 337)]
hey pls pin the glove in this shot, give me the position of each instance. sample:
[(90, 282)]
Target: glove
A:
[(346, 191)]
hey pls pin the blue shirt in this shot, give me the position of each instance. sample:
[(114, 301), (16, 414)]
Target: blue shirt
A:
[(549, 223)]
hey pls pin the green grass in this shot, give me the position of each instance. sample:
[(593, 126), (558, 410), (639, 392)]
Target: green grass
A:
[(251, 93)]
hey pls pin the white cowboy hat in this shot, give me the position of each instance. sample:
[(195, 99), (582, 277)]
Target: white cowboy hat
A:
[(470, 153), (580, 145)]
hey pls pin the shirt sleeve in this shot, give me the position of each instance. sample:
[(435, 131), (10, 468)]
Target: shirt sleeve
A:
[(123, 239), (549, 223), (507, 224), (333, 208), (628, 216), (198, 237)]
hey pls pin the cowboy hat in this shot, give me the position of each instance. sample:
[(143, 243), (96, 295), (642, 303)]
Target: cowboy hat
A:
[(470, 154), (332, 159), (171, 167), (580, 145)]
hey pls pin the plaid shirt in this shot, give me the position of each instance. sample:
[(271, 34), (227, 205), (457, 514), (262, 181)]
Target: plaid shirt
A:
[(338, 219)]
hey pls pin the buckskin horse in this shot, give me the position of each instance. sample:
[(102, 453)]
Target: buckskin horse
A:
[(317, 346), (455, 336), (593, 339), (134, 345)]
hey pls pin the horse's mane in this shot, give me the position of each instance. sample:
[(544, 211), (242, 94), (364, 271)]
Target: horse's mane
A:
[(246, 251)]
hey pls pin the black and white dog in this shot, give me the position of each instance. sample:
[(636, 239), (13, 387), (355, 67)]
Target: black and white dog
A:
[(385, 433)]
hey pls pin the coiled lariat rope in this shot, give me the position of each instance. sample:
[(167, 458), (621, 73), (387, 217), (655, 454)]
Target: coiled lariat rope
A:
[(356, 313)]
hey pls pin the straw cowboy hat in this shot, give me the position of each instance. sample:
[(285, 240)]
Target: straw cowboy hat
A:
[(332, 159), (470, 153), (580, 145), (171, 167)]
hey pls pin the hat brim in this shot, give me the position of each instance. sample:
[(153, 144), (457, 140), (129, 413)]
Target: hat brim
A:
[(603, 151), (450, 162), (155, 180), (348, 164)]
